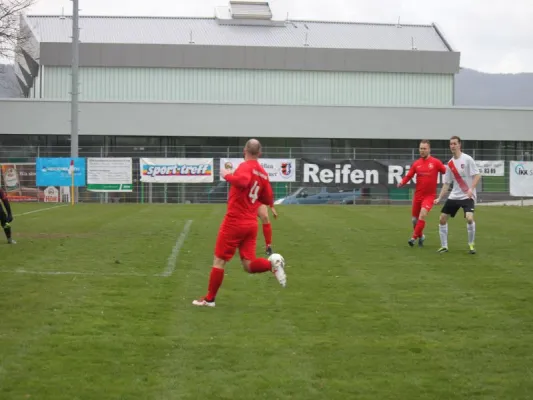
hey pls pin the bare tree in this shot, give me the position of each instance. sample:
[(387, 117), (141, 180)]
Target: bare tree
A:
[(12, 37)]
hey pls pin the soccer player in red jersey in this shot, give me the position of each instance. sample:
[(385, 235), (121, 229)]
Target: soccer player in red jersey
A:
[(250, 187), (6, 217), (426, 169)]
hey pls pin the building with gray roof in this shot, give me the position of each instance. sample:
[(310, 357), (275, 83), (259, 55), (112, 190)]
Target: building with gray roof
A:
[(244, 56)]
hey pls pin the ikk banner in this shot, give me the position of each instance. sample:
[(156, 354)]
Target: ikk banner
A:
[(521, 178), (278, 169), (57, 171), (112, 174), (176, 170)]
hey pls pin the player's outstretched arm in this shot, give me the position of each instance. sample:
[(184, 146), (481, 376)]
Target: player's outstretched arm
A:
[(442, 167), (474, 171), (409, 176), (444, 189), (475, 181), (240, 178), (267, 196)]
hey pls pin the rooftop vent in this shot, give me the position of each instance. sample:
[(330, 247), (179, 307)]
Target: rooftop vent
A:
[(242, 12), (250, 10)]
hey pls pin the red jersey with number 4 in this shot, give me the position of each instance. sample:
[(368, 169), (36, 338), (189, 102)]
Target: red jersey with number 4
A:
[(427, 172), (250, 187)]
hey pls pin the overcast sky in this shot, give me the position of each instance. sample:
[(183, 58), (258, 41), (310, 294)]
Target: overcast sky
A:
[(492, 35)]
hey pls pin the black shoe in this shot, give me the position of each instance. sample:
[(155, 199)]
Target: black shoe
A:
[(269, 251), (421, 241), (411, 242)]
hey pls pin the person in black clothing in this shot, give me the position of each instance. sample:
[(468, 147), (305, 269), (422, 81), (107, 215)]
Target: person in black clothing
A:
[(6, 216)]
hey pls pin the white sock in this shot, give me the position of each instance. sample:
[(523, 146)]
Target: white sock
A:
[(471, 228), (443, 233)]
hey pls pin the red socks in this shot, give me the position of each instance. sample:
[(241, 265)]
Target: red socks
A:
[(267, 233), (419, 229), (260, 265), (216, 276), (215, 280)]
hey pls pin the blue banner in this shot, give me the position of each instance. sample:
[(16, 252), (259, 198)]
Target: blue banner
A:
[(56, 171)]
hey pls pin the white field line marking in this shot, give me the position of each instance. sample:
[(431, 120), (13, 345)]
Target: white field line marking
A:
[(171, 264), (23, 271), (39, 210), (173, 257)]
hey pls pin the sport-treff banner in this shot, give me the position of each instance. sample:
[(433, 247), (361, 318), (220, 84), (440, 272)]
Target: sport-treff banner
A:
[(176, 170), (521, 178), (278, 169), (365, 173)]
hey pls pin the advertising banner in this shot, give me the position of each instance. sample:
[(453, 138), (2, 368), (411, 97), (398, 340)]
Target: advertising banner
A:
[(109, 174), (18, 180), (176, 170), (278, 169), (51, 195), (521, 178), (365, 173), (57, 171), (491, 168)]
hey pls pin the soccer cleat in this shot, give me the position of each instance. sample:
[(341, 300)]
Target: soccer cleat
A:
[(472, 248), (202, 302), (421, 241), (411, 242), (278, 269), (11, 241), (269, 251), (442, 250)]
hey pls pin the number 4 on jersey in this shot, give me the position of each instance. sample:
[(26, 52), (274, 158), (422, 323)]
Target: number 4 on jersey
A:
[(254, 192)]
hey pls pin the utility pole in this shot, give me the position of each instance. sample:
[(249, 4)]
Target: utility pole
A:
[(74, 107)]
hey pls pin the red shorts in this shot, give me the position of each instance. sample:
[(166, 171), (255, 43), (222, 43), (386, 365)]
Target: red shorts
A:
[(232, 237), (422, 201)]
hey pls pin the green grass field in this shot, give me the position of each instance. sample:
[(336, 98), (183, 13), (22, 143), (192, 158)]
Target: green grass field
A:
[(91, 309)]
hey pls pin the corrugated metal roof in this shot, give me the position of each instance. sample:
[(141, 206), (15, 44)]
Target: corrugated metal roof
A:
[(207, 31)]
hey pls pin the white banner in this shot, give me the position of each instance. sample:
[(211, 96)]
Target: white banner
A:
[(521, 178), (64, 193), (109, 174), (278, 169), (176, 170), (491, 168), (51, 195)]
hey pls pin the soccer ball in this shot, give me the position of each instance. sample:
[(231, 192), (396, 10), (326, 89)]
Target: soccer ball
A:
[(276, 260)]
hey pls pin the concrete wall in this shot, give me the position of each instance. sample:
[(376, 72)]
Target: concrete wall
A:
[(47, 117)]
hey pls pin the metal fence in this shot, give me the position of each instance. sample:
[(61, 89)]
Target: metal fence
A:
[(490, 188)]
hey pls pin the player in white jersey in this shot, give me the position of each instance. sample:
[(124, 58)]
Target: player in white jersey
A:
[(463, 172)]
